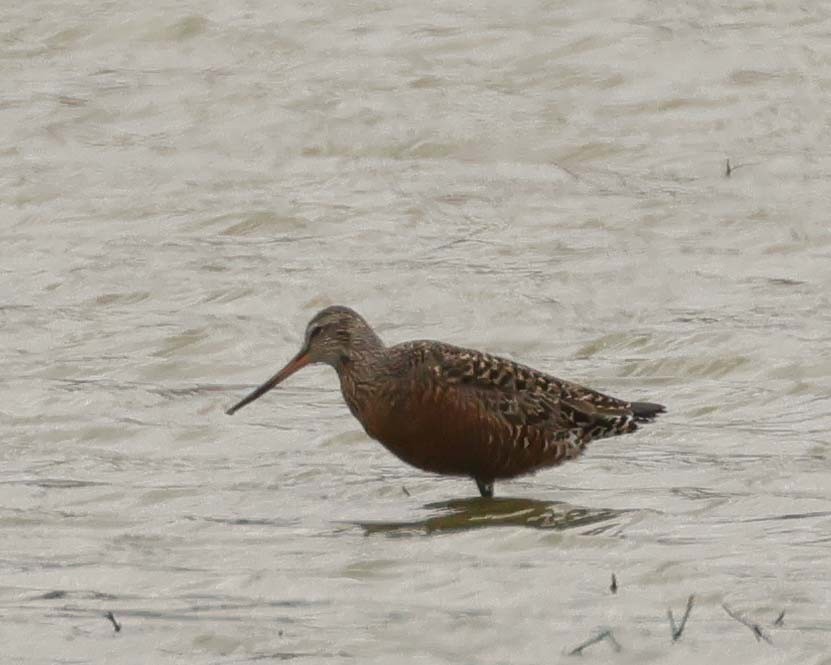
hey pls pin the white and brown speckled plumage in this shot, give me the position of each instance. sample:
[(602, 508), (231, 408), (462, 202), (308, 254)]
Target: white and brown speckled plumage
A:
[(457, 411)]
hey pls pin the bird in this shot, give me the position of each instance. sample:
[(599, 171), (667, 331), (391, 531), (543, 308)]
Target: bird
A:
[(456, 411)]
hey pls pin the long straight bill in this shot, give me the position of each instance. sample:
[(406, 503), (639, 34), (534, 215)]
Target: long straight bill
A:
[(300, 360)]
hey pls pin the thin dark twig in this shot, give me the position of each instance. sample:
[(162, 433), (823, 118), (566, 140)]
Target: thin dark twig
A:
[(729, 168), (406, 491), (780, 620), (603, 635), (613, 586), (755, 627), (569, 171), (116, 625), (578, 650), (677, 632), (610, 637)]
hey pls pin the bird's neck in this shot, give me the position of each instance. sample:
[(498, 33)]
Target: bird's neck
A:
[(360, 373)]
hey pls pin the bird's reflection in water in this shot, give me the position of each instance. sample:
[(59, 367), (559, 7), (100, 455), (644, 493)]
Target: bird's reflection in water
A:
[(477, 513)]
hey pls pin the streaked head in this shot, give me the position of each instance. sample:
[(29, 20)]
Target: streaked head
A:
[(333, 336)]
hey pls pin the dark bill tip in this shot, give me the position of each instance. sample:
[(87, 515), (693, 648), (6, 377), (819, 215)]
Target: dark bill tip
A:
[(299, 361)]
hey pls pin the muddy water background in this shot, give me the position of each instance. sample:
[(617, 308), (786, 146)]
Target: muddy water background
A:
[(183, 185)]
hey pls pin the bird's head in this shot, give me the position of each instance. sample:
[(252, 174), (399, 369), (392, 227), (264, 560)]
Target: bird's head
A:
[(334, 336)]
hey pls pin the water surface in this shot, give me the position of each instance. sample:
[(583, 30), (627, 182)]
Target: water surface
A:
[(184, 185)]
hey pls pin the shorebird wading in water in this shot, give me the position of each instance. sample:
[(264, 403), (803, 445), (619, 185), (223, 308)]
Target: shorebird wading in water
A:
[(456, 411)]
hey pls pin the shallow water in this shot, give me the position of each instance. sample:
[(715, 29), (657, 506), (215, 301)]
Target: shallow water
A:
[(184, 185)]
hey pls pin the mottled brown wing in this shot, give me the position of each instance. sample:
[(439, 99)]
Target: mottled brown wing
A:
[(516, 418), (540, 395)]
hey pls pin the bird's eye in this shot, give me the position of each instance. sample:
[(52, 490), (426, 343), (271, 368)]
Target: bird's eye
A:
[(314, 332)]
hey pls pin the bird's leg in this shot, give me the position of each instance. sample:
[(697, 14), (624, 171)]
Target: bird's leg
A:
[(485, 487)]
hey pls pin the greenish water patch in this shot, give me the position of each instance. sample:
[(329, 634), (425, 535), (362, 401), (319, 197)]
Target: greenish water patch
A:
[(479, 513)]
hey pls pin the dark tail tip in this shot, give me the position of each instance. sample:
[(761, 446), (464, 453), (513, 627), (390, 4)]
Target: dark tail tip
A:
[(646, 410)]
